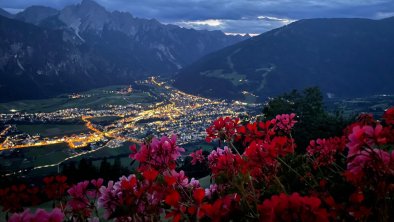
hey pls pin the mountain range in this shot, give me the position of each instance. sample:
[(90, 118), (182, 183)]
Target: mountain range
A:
[(46, 52), (344, 57)]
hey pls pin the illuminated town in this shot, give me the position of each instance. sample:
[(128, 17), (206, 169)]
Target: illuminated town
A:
[(175, 112)]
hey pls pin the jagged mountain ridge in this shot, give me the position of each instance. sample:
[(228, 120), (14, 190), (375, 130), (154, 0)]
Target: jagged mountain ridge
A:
[(163, 43), (344, 57), (37, 62), (98, 48)]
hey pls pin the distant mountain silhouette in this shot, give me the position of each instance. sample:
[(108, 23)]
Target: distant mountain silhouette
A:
[(84, 46), (36, 14), (345, 57), (5, 13)]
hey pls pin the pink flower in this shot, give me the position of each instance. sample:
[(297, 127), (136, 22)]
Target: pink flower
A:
[(194, 183), (284, 122), (79, 201), (159, 154), (375, 160), (110, 198), (197, 157), (365, 137), (97, 184), (180, 178), (211, 190)]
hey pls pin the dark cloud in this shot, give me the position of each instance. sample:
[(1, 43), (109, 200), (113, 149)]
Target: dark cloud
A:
[(237, 16)]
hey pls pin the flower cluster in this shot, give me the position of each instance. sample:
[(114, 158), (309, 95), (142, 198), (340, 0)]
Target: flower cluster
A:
[(292, 208), (344, 178), (81, 204), (14, 198), (367, 161), (55, 187), (197, 157), (257, 131), (158, 154), (324, 150), (284, 122), (224, 162), (222, 128), (56, 215)]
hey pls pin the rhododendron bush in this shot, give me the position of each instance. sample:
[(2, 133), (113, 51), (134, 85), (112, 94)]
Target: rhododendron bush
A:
[(257, 173)]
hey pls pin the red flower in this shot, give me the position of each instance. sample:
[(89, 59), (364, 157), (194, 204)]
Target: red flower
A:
[(389, 116), (357, 197), (257, 131), (170, 180), (60, 179), (150, 174), (198, 195), (174, 214), (223, 161), (55, 187), (292, 208), (220, 209), (324, 150), (48, 180), (222, 128), (172, 198)]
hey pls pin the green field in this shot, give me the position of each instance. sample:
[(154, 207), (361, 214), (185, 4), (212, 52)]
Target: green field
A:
[(107, 152), (51, 130), (205, 181), (96, 100), (47, 155), (32, 157)]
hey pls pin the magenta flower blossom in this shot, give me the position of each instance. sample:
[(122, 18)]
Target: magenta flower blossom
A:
[(376, 160), (159, 154), (324, 150), (211, 190), (197, 157), (365, 137), (79, 202), (284, 122), (110, 198), (56, 215)]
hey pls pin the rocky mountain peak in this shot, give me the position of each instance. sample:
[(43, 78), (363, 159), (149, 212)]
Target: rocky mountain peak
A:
[(91, 6), (88, 15)]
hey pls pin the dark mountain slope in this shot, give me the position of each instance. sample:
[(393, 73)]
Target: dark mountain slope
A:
[(37, 62), (5, 13), (36, 14), (161, 49), (345, 57), (85, 46)]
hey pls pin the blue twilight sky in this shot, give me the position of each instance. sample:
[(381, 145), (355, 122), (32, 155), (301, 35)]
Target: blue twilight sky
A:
[(231, 16)]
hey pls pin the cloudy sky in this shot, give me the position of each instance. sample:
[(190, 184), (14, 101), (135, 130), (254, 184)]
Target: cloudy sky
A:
[(231, 16)]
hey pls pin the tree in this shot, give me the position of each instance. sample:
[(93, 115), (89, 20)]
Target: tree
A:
[(313, 120), (105, 168)]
